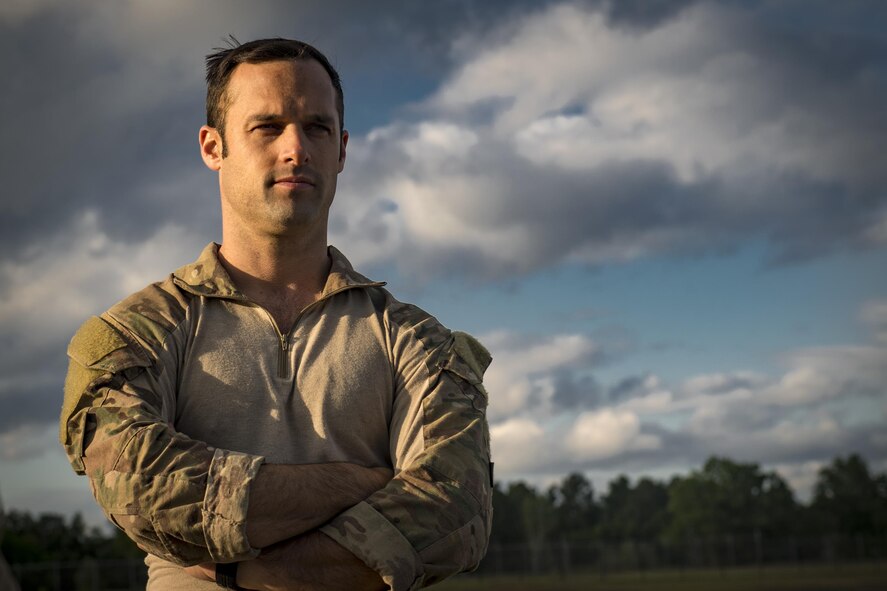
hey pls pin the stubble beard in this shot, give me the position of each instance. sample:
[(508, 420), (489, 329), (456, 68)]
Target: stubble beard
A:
[(295, 212)]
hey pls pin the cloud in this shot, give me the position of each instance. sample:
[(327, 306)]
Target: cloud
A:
[(722, 383), (801, 477), (593, 132), (607, 433), (825, 373), (50, 291), (102, 101), (585, 132), (519, 444), (573, 139), (23, 442), (874, 317), (534, 374), (633, 387), (827, 401)]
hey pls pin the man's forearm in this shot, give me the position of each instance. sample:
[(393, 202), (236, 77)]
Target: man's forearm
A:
[(287, 500), (312, 561)]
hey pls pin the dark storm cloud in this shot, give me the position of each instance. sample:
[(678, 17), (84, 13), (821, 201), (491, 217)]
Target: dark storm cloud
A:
[(72, 146), (99, 113), (766, 131), (627, 388), (101, 105), (641, 13), (95, 118), (576, 392), (603, 213), (31, 385), (29, 405), (77, 136)]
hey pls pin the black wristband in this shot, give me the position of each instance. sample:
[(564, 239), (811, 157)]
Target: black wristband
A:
[(226, 576)]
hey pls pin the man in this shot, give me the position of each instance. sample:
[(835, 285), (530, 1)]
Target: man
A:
[(267, 408)]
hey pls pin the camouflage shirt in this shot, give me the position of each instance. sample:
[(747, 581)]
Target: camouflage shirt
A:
[(176, 395)]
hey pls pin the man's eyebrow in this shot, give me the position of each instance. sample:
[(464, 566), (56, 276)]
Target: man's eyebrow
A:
[(263, 117), (322, 119)]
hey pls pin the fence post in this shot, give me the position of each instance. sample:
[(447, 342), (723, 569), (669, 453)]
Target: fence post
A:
[(565, 557), (56, 575), (759, 550), (793, 552), (95, 575), (602, 568), (731, 545), (827, 550)]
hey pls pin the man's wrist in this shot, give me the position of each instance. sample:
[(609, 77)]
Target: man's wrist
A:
[(226, 576), (252, 575)]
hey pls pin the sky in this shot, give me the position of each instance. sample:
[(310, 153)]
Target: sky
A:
[(667, 220)]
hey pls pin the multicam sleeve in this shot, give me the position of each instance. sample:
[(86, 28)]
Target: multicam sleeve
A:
[(433, 519), (177, 498)]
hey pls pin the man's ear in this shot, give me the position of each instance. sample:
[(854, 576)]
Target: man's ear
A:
[(210, 147), (342, 144)]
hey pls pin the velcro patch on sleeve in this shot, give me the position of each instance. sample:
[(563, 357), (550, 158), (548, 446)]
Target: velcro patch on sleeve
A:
[(95, 340)]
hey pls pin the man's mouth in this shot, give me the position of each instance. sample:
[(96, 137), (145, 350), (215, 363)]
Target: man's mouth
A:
[(295, 182)]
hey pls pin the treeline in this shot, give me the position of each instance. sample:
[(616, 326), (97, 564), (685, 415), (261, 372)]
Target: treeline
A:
[(52, 538), (723, 498)]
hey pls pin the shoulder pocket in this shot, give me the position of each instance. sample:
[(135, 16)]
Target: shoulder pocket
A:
[(468, 358), (97, 350), (98, 345)]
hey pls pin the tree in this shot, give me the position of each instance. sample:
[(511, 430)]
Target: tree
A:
[(727, 497), (507, 527), (779, 510), (521, 515), (639, 513), (50, 537), (849, 499), (575, 511)]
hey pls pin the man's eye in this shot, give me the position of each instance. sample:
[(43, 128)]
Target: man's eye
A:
[(267, 126), (318, 128)]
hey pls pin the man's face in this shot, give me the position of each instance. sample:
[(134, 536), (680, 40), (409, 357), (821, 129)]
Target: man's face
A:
[(284, 148)]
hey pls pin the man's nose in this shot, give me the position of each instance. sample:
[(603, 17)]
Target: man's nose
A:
[(294, 145)]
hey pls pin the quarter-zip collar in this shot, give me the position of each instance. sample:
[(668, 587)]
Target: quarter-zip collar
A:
[(207, 277), (343, 276)]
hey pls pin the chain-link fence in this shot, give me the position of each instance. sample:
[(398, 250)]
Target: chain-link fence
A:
[(82, 575), (717, 552), (563, 558)]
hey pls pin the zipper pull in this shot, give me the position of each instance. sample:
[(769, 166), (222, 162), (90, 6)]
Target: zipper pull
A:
[(282, 358)]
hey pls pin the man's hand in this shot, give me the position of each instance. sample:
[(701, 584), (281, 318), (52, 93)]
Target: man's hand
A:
[(287, 500), (308, 563)]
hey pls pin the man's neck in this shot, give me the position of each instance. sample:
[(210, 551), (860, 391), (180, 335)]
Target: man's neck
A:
[(281, 275)]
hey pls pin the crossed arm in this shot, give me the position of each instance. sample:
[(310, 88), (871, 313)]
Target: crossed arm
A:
[(190, 504), (294, 555), (177, 497), (315, 493), (307, 562)]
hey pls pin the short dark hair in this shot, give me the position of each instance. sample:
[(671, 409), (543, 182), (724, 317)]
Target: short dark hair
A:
[(221, 64)]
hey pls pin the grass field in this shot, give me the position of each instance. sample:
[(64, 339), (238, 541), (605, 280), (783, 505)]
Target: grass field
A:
[(857, 577)]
